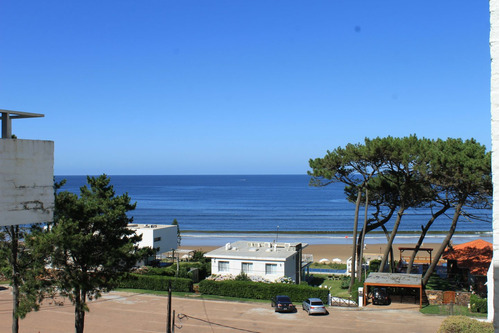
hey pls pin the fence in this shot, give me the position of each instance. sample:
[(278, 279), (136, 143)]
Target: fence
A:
[(337, 301)]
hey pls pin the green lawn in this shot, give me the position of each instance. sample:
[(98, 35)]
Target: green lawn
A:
[(333, 285)]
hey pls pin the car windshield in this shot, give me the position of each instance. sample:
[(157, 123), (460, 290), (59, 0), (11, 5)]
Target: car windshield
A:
[(284, 299), (316, 303)]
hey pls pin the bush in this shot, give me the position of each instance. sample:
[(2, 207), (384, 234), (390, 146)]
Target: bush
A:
[(374, 265), (259, 290), (184, 268), (156, 282), (354, 290), (242, 277), (437, 283), (478, 304), (462, 324), (345, 282)]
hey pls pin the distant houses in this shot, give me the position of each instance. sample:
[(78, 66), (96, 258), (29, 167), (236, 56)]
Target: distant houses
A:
[(470, 262), (266, 261)]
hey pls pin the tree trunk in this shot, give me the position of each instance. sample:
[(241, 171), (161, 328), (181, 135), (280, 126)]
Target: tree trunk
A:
[(79, 311), (388, 237), (391, 240), (422, 236), (14, 242), (362, 241), (354, 239), (446, 241)]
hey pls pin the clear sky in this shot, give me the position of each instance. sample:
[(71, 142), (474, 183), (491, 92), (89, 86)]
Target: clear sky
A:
[(239, 87)]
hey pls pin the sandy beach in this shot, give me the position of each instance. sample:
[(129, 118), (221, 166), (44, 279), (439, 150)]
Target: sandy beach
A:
[(341, 251)]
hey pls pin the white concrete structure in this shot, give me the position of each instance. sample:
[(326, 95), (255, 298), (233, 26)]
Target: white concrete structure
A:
[(26, 181), (493, 290), (269, 261), (162, 238)]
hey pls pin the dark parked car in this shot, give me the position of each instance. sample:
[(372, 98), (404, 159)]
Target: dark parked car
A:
[(282, 303), (314, 306), (381, 296)]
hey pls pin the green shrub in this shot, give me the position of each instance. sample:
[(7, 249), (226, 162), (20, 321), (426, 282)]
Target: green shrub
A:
[(478, 304), (328, 266), (354, 290), (242, 277), (184, 268), (260, 290), (462, 324), (345, 282), (374, 265), (437, 283), (156, 282)]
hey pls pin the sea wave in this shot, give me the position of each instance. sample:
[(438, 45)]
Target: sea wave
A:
[(216, 239)]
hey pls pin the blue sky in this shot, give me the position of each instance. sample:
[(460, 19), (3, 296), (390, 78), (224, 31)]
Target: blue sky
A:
[(239, 87)]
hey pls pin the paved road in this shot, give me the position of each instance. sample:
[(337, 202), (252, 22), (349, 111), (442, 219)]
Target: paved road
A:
[(128, 312)]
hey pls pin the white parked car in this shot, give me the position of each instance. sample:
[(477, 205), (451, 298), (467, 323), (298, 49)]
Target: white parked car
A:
[(314, 306)]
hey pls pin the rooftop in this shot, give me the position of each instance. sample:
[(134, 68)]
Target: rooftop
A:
[(256, 250), (394, 279), (137, 226)]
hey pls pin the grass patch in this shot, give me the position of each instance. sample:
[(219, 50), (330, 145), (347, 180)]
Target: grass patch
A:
[(448, 310), (333, 285)]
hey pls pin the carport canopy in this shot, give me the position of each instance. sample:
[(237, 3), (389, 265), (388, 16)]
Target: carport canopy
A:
[(397, 280)]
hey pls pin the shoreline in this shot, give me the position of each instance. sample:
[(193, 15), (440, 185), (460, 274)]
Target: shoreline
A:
[(218, 239)]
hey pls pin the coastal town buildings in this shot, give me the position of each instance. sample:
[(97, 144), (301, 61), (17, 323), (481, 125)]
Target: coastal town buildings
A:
[(161, 238), (266, 260)]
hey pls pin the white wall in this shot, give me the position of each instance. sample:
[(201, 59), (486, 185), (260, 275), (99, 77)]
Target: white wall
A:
[(168, 235), (26, 181), (259, 268)]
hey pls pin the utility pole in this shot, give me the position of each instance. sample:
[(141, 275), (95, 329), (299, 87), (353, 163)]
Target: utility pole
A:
[(169, 309)]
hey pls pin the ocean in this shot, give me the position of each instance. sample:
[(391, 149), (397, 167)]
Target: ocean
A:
[(215, 209)]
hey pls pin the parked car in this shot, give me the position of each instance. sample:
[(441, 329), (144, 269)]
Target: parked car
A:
[(314, 306), (282, 303), (380, 295)]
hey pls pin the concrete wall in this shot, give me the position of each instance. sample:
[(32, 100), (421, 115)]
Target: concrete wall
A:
[(291, 267), (495, 147), (26, 181)]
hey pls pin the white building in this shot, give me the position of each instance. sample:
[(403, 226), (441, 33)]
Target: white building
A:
[(162, 238), (269, 261)]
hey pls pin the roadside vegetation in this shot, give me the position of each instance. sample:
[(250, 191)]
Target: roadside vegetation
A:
[(461, 324)]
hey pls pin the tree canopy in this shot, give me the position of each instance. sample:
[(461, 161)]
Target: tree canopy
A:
[(89, 245), (395, 174)]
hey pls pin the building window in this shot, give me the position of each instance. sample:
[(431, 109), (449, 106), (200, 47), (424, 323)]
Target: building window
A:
[(271, 269), (157, 239), (247, 267), (223, 266)]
